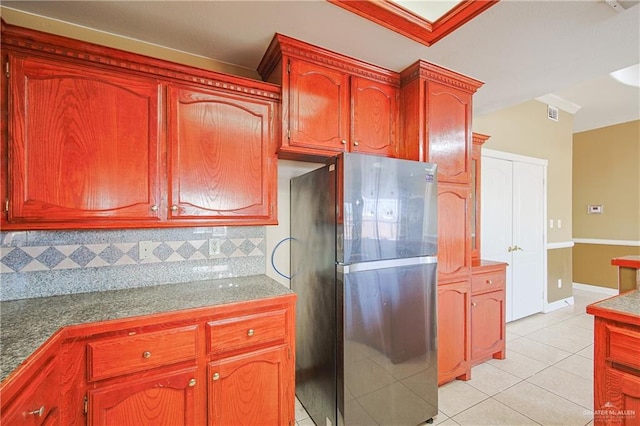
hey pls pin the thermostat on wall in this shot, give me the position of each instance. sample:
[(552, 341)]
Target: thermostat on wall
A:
[(594, 209)]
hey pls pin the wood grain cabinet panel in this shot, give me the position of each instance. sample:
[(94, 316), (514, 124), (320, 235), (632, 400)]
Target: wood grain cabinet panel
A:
[(449, 132), (124, 355), (250, 389), (101, 138), (164, 399), (331, 103), (246, 331), (38, 403), (374, 117), (487, 326), (454, 252), (84, 143), (318, 110), (453, 334), (221, 156)]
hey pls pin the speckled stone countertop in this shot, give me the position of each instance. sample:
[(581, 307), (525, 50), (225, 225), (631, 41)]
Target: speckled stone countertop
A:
[(624, 308), (26, 324)]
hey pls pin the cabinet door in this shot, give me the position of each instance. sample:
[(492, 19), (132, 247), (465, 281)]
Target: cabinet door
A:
[(448, 122), (454, 236), (83, 143), (221, 156), (374, 117), (38, 403), (453, 332), (622, 406), (163, 399), (250, 389), (487, 325), (318, 114)]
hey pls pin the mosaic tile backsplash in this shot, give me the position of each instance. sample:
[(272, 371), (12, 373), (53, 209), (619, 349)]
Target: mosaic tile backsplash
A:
[(48, 263)]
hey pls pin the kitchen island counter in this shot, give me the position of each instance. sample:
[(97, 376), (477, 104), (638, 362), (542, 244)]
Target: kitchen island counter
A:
[(28, 323)]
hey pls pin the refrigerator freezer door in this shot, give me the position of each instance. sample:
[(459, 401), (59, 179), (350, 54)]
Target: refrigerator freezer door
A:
[(387, 360), (388, 207)]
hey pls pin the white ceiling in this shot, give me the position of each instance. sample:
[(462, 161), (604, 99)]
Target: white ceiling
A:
[(520, 49)]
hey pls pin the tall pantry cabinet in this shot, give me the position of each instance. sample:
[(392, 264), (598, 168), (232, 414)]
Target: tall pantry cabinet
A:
[(436, 109)]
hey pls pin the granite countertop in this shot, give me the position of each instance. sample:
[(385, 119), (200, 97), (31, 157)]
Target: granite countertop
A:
[(626, 304), (27, 323)]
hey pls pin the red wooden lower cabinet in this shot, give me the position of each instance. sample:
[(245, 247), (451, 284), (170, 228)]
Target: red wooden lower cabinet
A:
[(228, 364), (453, 334), (249, 389), (488, 280), (167, 398), (616, 362)]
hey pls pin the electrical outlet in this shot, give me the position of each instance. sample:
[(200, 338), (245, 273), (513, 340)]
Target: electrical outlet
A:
[(145, 248), (559, 223), (214, 246), (551, 223), (559, 282)]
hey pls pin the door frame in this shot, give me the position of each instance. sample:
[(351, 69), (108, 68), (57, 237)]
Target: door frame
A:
[(501, 155)]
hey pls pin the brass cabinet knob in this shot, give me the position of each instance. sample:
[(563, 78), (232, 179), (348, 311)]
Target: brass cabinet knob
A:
[(174, 208), (356, 143), (344, 142), (146, 354), (39, 412), (192, 382), (489, 282), (216, 376), (154, 208), (474, 304), (250, 332)]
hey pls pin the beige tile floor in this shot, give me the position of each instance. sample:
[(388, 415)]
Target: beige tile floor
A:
[(546, 379)]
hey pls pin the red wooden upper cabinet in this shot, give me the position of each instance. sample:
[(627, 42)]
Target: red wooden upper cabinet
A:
[(221, 157), (437, 110), (83, 143), (331, 103), (318, 104)]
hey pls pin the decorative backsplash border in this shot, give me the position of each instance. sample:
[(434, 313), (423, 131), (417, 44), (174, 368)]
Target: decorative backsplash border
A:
[(46, 263)]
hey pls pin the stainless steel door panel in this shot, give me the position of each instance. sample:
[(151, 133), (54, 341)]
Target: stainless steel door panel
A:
[(388, 358), (389, 208)]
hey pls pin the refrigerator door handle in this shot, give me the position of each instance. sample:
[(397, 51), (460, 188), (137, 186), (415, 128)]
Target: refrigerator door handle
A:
[(382, 264)]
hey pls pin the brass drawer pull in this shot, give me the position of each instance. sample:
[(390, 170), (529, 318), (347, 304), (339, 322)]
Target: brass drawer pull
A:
[(192, 382), (146, 354), (489, 282), (216, 376), (250, 332), (39, 412)]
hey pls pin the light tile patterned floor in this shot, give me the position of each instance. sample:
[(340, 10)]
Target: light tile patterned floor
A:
[(547, 378)]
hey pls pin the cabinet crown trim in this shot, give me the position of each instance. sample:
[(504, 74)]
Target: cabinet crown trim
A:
[(287, 46), (33, 41), (432, 72)]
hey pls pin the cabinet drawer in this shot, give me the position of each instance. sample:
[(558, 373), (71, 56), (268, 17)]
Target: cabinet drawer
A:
[(624, 346), (490, 281), (37, 403), (251, 330), (123, 355)]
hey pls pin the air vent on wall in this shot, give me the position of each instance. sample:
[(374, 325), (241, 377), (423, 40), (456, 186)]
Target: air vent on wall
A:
[(552, 113)]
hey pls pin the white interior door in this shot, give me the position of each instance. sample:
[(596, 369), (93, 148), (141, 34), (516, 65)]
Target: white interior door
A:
[(512, 223), (528, 240)]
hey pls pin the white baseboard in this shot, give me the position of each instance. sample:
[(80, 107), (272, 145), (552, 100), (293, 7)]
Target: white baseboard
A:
[(595, 289), (549, 307)]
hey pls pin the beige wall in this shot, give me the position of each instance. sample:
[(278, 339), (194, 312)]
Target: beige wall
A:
[(51, 26), (525, 130), (606, 171)]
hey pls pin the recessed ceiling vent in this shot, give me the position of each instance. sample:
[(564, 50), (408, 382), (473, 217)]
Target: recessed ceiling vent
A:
[(552, 113)]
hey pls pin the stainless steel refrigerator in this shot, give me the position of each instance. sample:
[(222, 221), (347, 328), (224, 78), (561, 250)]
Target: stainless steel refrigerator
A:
[(363, 262)]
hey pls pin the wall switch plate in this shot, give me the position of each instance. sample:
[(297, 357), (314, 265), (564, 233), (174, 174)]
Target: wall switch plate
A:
[(214, 246), (551, 223), (559, 223), (145, 248), (559, 282)]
